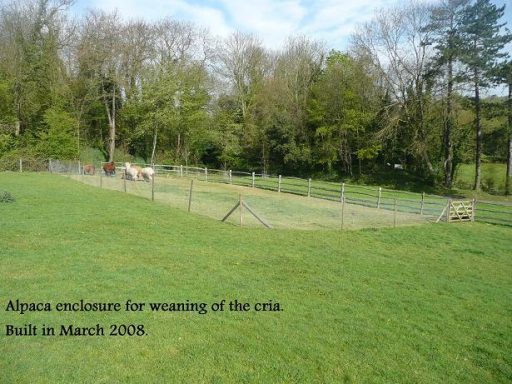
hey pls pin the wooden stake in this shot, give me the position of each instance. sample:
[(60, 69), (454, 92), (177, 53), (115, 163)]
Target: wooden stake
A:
[(153, 187), (473, 210), (279, 184), (342, 212), (190, 194), (230, 177), (124, 180), (394, 214), (253, 179), (379, 197), (256, 216), (206, 174), (309, 187), (422, 202), (50, 165), (342, 192), (231, 211), (241, 206), (21, 165)]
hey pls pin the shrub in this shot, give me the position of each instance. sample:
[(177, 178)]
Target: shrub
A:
[(6, 197)]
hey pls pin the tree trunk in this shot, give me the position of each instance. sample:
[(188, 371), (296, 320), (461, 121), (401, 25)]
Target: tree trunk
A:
[(448, 127), (478, 154), (426, 159), (178, 148), (508, 180), (111, 113), (264, 158), (153, 150)]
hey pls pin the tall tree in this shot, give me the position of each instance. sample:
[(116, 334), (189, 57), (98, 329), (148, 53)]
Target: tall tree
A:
[(100, 61), (297, 68), (505, 76), (397, 41), (445, 24), (340, 109), (483, 40), (30, 45)]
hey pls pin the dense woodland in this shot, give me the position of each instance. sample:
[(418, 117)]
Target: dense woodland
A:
[(414, 89)]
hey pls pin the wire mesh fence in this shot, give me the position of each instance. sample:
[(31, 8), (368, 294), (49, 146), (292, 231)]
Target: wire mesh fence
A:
[(282, 202)]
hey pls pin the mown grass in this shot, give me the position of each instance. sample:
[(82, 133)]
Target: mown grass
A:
[(427, 304), (493, 177)]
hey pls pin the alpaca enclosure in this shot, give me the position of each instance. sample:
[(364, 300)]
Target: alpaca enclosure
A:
[(287, 202), (281, 210)]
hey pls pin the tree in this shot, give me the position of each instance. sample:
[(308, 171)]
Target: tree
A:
[(30, 44), (297, 68), (173, 108), (445, 24), (99, 61), (340, 110), (397, 41), (504, 75), (483, 43)]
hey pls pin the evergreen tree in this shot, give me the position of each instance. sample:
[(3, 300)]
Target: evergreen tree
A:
[(446, 20), (483, 41)]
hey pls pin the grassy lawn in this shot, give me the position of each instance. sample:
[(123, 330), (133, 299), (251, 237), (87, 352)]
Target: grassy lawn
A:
[(493, 177), (418, 304)]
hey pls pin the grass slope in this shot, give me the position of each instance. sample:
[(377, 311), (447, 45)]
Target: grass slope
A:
[(429, 304)]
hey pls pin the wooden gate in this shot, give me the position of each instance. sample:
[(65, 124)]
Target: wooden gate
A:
[(459, 210)]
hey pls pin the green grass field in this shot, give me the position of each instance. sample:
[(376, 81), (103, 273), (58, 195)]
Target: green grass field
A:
[(493, 177), (416, 304)]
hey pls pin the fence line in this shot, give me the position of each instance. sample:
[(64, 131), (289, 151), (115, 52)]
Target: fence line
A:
[(354, 194), (373, 197)]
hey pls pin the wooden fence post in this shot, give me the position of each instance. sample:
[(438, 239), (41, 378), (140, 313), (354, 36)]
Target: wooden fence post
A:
[(79, 168), (342, 194), (379, 197), (422, 204), (309, 187), (448, 210), (21, 165), (473, 209), (190, 194), (50, 165), (253, 179), (153, 187), (279, 184), (230, 177), (206, 173), (342, 212), (124, 180), (394, 214), (181, 170), (241, 206)]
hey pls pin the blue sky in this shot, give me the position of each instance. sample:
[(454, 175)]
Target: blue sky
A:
[(331, 21)]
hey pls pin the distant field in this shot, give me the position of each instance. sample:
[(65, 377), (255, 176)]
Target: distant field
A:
[(418, 304), (493, 177)]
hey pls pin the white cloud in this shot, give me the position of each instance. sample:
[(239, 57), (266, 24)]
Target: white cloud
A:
[(331, 21), (202, 15), (271, 20)]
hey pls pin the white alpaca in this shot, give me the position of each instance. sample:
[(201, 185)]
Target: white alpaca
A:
[(148, 173), (132, 172)]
